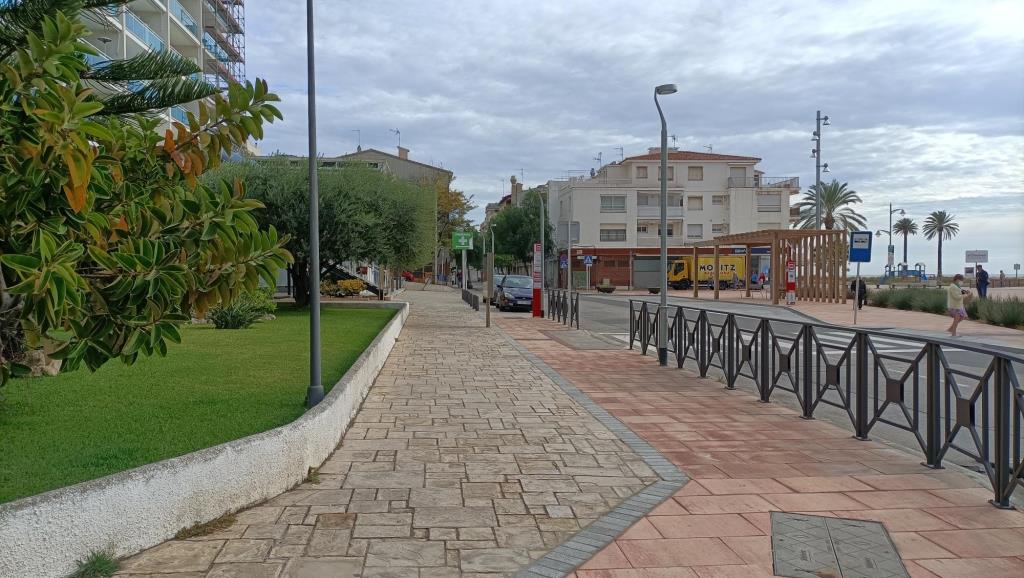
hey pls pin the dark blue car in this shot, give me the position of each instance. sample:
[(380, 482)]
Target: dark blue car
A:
[(514, 292)]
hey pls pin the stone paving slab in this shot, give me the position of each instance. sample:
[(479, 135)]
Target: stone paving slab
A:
[(747, 459), (469, 457)]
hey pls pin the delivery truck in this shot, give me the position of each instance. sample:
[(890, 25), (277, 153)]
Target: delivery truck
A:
[(730, 268)]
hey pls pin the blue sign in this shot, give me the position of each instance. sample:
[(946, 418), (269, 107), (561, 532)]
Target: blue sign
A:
[(860, 246), (588, 260), (563, 262)]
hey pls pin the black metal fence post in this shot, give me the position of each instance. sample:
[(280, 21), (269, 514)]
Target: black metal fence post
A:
[(730, 352), (809, 375), (632, 324), (702, 344), (861, 392), (933, 402), (764, 384), (1003, 482), (680, 337)]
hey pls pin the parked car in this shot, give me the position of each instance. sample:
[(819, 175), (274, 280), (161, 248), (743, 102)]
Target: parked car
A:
[(408, 276), (514, 292), (496, 287)]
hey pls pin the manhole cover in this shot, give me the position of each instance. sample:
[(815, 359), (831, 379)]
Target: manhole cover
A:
[(818, 547)]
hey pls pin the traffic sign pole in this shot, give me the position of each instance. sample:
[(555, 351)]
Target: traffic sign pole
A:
[(860, 252)]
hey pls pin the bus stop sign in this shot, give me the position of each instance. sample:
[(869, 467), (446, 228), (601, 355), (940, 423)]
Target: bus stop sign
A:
[(860, 246)]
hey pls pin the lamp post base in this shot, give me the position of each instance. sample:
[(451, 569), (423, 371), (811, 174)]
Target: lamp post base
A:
[(314, 395), (662, 356)]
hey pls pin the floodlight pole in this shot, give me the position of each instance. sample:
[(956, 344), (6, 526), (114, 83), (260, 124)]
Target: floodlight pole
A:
[(663, 255), (315, 393)]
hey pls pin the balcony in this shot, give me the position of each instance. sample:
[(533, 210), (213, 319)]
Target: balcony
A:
[(765, 183), (649, 211), (184, 17), (655, 241), (178, 113), (144, 33)]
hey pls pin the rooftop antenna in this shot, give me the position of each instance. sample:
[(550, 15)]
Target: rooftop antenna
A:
[(622, 155), (359, 138), (598, 159), (710, 149), (397, 133), (522, 176), (673, 140)]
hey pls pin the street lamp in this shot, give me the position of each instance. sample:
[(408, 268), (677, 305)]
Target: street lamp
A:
[(663, 90), (892, 248), (820, 121), (315, 392)]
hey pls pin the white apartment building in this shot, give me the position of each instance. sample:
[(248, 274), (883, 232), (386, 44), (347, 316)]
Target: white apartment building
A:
[(615, 212), (211, 33)]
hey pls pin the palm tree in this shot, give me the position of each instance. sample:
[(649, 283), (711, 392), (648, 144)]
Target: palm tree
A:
[(940, 224), (146, 83), (905, 226), (835, 209)]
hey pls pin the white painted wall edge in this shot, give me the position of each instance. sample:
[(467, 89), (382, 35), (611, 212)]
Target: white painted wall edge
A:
[(43, 535)]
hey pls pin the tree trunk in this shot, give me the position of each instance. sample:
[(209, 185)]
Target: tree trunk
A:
[(300, 282), (940, 258), (905, 250)]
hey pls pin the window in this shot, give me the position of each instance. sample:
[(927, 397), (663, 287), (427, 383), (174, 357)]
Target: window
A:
[(671, 173), (718, 200), (695, 231), (670, 231), (719, 228), (612, 235), (641, 229), (645, 200), (771, 203), (641, 172), (694, 203), (613, 203), (695, 173), (563, 232)]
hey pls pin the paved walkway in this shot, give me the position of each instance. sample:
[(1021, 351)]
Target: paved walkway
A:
[(747, 459), (466, 459)]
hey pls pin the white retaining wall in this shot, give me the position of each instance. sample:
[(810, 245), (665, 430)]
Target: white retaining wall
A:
[(42, 536)]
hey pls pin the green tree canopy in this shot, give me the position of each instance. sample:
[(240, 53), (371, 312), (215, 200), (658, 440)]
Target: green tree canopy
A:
[(906, 227), (517, 228), (107, 240), (365, 215), (836, 208)]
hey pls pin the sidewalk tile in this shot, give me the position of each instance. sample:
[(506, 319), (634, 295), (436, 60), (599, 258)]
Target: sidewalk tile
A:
[(678, 552), (703, 526)]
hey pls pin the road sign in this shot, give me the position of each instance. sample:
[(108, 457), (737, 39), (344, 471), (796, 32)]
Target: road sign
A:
[(1016, 266), (860, 246), (588, 260), (563, 262), (790, 282), (462, 240), (976, 256)]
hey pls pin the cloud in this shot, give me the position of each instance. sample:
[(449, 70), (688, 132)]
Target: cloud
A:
[(926, 98)]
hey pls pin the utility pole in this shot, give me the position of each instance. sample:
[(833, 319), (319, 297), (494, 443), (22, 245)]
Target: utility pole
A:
[(315, 392), (820, 121)]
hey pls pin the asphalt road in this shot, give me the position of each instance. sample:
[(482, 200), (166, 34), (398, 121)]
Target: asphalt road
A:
[(609, 316)]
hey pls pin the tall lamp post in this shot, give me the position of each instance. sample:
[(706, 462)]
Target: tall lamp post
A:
[(315, 393), (892, 248), (820, 121), (662, 90)]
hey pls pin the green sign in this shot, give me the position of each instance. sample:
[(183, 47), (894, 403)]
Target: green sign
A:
[(462, 241)]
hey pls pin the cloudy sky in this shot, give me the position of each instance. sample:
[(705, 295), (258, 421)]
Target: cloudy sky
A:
[(926, 98)]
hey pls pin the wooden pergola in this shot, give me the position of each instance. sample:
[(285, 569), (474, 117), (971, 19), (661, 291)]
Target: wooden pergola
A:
[(820, 258)]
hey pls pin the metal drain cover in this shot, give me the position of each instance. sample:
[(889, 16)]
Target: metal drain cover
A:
[(819, 547)]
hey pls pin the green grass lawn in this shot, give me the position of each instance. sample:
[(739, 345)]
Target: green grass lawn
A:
[(218, 385)]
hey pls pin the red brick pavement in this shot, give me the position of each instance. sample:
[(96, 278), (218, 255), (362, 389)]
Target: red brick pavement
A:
[(746, 459)]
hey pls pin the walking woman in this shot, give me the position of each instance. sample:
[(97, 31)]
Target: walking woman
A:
[(955, 303)]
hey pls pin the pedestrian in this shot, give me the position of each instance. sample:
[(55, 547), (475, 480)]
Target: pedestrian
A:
[(981, 278), (860, 292), (955, 302), (1002, 278)]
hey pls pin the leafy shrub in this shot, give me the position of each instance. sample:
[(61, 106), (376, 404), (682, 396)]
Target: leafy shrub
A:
[(880, 297), (245, 310), (972, 309), (351, 286), (1005, 312), (929, 301), (903, 299)]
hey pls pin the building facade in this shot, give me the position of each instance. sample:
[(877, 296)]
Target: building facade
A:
[(210, 33), (614, 215)]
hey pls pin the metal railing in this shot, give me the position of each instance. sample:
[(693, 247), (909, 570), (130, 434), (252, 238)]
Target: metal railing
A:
[(143, 32), (946, 405), (764, 182), (185, 17), (564, 309), (471, 299)]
